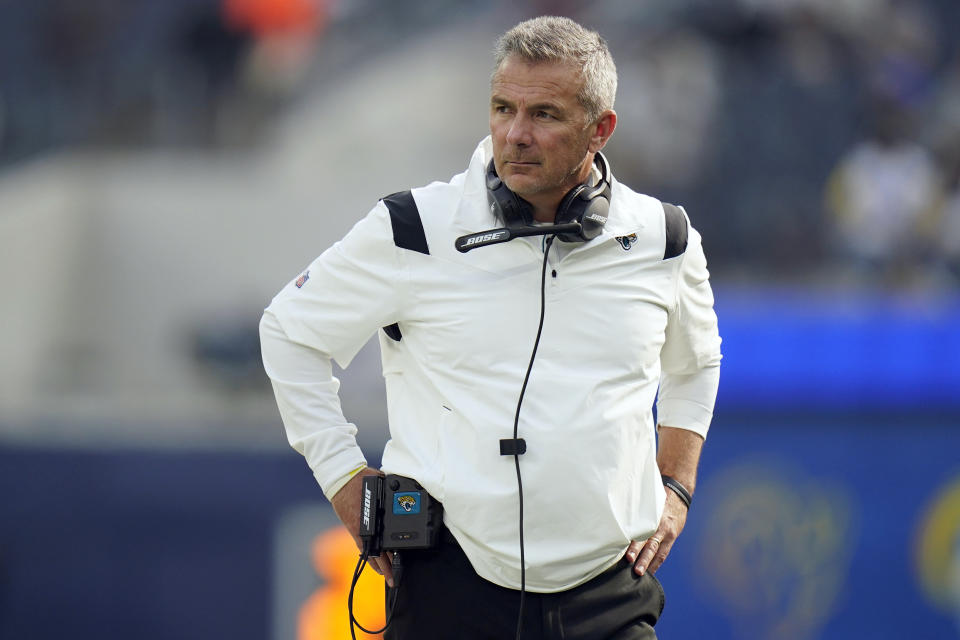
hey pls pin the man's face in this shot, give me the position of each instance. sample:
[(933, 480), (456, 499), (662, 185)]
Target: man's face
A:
[(541, 136)]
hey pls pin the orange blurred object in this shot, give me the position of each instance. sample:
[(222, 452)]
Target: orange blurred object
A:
[(272, 17), (324, 614)]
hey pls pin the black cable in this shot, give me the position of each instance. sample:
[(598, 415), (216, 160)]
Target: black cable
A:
[(361, 563), (365, 554), (353, 584), (516, 421)]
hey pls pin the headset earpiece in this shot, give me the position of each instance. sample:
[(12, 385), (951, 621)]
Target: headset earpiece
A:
[(587, 205), (513, 210)]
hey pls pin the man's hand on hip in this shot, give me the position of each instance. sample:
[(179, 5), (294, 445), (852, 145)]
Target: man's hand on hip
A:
[(650, 554), (346, 504), (677, 456)]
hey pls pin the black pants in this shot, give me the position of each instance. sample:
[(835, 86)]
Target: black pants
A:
[(441, 596)]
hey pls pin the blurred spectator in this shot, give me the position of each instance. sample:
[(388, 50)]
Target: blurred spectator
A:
[(213, 51), (285, 33), (942, 131), (949, 236), (883, 196), (268, 17), (669, 92), (810, 49), (232, 65), (901, 53)]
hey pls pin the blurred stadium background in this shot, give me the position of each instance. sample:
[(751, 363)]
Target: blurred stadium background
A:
[(165, 166)]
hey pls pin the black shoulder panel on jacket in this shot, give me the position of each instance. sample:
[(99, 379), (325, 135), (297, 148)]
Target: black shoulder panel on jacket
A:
[(676, 227), (405, 219), (407, 234)]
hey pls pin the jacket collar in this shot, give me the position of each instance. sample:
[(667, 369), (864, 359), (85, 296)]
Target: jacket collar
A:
[(474, 213)]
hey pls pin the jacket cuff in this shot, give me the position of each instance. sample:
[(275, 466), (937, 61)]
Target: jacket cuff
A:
[(337, 471), (686, 401), (333, 489), (684, 414)]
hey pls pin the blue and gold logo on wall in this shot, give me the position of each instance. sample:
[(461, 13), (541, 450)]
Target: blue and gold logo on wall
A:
[(938, 550), (776, 548)]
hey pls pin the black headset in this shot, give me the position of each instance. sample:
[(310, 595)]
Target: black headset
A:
[(584, 204)]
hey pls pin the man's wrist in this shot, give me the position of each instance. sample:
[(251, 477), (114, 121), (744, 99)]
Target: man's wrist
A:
[(674, 485)]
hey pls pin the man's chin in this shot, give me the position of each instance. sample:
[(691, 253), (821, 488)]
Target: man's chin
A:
[(521, 184)]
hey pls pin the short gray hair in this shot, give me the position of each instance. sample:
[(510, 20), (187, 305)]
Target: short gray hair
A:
[(556, 39)]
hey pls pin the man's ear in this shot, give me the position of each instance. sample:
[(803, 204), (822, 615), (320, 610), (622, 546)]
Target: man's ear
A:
[(603, 129)]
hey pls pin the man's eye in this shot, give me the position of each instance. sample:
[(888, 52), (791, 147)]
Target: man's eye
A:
[(543, 115)]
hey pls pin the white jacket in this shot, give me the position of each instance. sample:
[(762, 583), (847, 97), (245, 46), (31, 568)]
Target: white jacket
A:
[(618, 322)]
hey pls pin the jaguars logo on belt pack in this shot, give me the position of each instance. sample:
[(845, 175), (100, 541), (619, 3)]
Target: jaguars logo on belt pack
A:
[(407, 503)]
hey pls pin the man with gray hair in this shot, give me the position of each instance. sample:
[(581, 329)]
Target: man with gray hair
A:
[(528, 312)]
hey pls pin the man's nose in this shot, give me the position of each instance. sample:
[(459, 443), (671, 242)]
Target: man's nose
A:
[(519, 132)]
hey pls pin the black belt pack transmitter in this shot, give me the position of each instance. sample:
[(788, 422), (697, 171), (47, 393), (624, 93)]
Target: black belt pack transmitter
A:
[(397, 513)]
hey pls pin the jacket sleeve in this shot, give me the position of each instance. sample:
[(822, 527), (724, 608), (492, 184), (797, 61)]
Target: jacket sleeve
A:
[(690, 358), (306, 393), (330, 312), (348, 293)]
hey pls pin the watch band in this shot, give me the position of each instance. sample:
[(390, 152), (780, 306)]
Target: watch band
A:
[(677, 488)]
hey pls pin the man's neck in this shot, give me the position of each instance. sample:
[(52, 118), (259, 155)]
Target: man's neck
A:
[(546, 210), (545, 214)]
